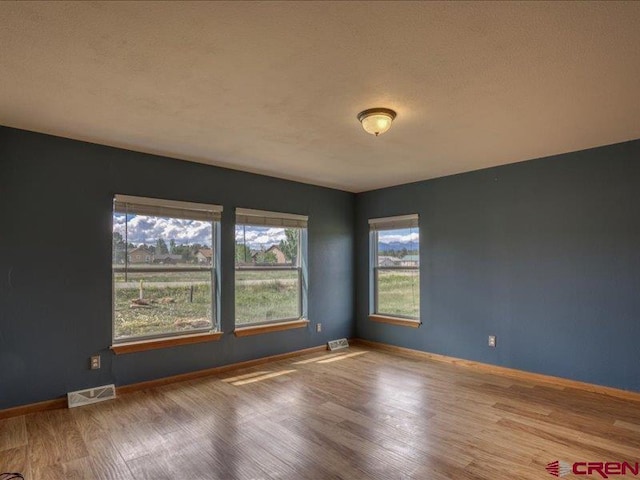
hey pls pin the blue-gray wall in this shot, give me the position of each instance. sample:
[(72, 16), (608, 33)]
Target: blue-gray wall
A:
[(55, 256), (545, 254)]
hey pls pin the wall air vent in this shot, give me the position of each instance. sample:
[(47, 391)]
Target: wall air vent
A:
[(91, 395), (338, 344)]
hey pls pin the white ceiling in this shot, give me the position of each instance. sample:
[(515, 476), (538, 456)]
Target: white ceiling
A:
[(274, 88)]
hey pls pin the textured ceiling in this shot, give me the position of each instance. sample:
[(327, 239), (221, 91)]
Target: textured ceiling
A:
[(274, 88)]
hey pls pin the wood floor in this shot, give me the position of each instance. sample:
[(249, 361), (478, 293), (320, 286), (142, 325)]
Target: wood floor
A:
[(351, 414)]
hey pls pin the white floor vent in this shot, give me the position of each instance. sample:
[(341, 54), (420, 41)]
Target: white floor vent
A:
[(91, 395), (338, 344)]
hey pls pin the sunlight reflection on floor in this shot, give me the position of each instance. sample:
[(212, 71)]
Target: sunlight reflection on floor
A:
[(341, 357), (253, 377), (246, 375), (263, 377)]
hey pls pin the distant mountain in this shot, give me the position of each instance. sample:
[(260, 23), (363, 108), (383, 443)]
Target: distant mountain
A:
[(397, 246)]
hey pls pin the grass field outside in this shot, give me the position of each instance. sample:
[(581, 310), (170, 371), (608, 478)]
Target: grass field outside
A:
[(399, 293), (163, 309), (267, 295), (175, 302)]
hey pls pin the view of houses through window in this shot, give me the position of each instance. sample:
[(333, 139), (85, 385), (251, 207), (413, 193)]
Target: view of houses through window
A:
[(162, 274)]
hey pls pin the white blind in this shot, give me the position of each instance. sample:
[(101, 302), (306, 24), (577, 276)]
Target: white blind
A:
[(166, 208), (393, 223), (270, 219)]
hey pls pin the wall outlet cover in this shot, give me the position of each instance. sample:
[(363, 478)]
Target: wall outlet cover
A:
[(95, 362)]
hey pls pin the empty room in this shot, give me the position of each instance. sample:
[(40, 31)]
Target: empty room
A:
[(319, 240)]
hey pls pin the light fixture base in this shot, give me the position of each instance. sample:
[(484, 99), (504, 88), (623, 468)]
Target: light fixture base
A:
[(372, 111)]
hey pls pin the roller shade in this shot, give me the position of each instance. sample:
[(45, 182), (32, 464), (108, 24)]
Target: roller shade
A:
[(270, 219), (166, 208), (393, 223)]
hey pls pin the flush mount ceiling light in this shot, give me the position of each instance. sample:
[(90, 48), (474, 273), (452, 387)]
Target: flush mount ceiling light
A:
[(376, 120)]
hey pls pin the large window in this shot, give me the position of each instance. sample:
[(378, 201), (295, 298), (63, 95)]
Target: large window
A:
[(270, 270), (395, 266), (164, 268)]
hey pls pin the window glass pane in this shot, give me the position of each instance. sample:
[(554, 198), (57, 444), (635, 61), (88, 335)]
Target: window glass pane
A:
[(161, 302), (399, 248), (268, 286), (397, 272), (399, 292), (266, 246), (162, 275), (161, 240), (267, 295)]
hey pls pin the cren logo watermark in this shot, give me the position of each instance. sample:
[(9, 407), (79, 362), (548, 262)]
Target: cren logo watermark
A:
[(560, 468)]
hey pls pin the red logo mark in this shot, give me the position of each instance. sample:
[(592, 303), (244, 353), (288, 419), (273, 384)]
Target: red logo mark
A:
[(559, 468)]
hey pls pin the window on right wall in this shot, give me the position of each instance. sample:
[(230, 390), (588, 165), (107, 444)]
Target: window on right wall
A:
[(395, 267)]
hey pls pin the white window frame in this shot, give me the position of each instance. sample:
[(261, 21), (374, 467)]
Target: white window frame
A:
[(377, 225), (128, 204), (261, 218)]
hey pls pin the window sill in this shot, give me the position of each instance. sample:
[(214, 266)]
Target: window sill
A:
[(167, 342), (271, 327), (403, 322)]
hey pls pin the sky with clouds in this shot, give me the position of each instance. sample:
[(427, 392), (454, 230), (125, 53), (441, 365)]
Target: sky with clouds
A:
[(403, 235), (144, 229), (147, 230), (259, 237)]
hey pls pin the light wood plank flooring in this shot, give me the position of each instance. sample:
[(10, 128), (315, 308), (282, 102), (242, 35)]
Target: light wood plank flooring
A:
[(354, 414)]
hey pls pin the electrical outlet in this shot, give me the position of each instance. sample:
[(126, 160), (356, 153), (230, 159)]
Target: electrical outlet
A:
[(492, 341), (95, 362), (318, 327)]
